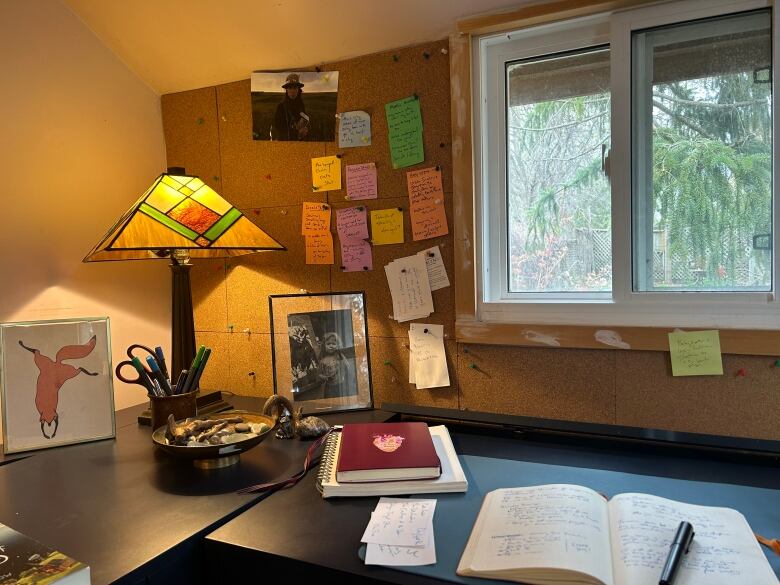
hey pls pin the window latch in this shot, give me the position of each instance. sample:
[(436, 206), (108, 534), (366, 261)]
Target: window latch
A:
[(605, 160)]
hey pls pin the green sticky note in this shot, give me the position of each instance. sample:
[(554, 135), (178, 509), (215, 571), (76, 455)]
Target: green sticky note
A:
[(404, 132), (695, 353)]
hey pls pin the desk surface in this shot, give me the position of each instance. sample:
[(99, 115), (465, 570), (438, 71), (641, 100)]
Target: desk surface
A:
[(297, 529)]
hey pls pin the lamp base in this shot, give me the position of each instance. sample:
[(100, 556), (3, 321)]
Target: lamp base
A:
[(206, 404)]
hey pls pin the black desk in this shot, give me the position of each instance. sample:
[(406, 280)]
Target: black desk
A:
[(298, 532), (131, 512)]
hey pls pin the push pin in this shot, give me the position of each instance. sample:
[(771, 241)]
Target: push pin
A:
[(324, 207), (388, 363), (465, 350), (365, 267), (339, 155), (314, 187), (442, 145), (346, 197), (403, 270), (215, 177), (777, 363), (343, 267), (200, 121), (741, 373), (360, 208), (473, 366), (317, 69), (223, 117), (438, 168), (304, 291), (415, 96), (425, 330), (256, 211), (252, 374), (400, 208), (396, 58), (431, 255), (284, 212), (268, 177), (230, 327), (247, 331), (444, 51), (426, 55)]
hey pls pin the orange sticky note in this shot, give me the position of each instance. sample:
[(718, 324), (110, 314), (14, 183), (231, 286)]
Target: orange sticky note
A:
[(319, 249), (315, 219), (426, 209)]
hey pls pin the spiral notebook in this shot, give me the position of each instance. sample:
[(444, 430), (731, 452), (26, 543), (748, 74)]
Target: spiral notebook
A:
[(452, 478)]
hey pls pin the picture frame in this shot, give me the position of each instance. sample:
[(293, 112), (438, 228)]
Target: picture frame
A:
[(56, 383), (319, 351)]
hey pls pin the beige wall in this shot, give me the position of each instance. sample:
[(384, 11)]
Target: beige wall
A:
[(80, 140)]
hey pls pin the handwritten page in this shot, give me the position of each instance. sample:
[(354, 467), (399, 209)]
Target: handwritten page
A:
[(404, 132), (400, 521), (385, 554), (319, 249), (409, 288), (426, 198), (326, 173), (361, 181), (723, 551), (437, 273), (695, 353), (354, 129), (352, 223), (356, 256), (315, 219), (427, 358), (387, 226)]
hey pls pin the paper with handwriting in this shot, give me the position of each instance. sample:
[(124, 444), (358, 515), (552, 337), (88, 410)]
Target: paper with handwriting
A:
[(361, 181), (405, 132), (387, 226), (356, 256), (319, 249), (325, 173), (695, 353), (354, 129), (437, 273), (315, 219), (400, 532), (408, 281), (426, 204), (427, 358), (352, 223)]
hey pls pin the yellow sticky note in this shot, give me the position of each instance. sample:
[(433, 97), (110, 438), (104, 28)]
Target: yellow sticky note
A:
[(387, 226), (325, 173), (319, 249), (695, 353)]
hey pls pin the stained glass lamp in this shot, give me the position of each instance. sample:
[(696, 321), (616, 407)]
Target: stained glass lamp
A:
[(178, 218)]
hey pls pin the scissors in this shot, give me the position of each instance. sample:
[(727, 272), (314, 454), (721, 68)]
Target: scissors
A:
[(143, 376)]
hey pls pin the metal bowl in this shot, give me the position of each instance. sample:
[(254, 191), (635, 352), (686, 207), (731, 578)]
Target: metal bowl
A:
[(213, 456)]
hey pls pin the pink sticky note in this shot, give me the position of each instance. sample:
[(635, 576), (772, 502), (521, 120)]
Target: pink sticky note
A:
[(356, 256), (352, 223), (361, 181)]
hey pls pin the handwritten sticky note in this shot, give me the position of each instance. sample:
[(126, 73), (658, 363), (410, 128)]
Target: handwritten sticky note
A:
[(319, 249), (695, 353), (326, 173), (427, 357), (387, 226), (361, 181), (354, 129), (315, 219), (405, 132), (426, 198), (356, 256), (352, 223), (400, 521), (437, 272)]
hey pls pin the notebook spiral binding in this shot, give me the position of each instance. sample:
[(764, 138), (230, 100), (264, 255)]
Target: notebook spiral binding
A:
[(328, 459)]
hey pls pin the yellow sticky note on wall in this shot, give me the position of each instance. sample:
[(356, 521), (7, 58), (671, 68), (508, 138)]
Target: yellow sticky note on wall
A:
[(695, 353), (387, 226), (326, 173)]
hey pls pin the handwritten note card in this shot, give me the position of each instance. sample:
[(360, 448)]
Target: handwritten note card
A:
[(319, 249), (356, 256), (352, 223), (326, 173), (409, 288), (437, 273), (426, 198), (404, 131), (400, 532), (354, 129), (315, 219), (387, 226), (695, 353), (427, 360), (361, 181)]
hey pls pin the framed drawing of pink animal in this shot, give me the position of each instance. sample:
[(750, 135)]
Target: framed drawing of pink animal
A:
[(56, 383)]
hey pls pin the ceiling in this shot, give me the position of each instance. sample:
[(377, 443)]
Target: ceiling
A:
[(176, 45)]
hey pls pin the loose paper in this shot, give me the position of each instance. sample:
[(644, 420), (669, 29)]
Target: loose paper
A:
[(695, 353), (387, 226), (326, 173), (437, 273), (319, 249), (354, 129), (315, 219), (404, 131), (401, 556), (426, 198), (361, 181), (352, 223), (356, 256), (401, 522), (427, 357), (409, 288)]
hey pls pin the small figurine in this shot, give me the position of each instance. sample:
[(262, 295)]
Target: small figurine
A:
[(293, 424)]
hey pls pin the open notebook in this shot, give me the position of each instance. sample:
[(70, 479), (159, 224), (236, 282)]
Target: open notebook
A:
[(452, 478)]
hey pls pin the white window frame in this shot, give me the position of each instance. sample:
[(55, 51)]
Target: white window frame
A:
[(742, 310)]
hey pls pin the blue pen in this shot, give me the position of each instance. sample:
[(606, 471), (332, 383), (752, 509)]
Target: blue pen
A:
[(158, 375), (161, 361)]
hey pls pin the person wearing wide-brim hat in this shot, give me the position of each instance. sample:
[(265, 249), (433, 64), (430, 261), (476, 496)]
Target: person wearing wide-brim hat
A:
[(291, 121)]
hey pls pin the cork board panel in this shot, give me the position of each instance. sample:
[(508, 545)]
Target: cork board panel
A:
[(251, 278), (215, 375), (546, 383), (717, 405), (260, 173), (209, 295), (368, 83), (390, 375), (192, 133), (250, 364), (379, 303)]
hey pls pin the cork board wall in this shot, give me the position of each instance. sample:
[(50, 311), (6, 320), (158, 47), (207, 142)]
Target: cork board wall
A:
[(209, 132)]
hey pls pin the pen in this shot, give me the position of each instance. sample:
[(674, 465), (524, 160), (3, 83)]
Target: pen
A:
[(193, 369), (161, 361), (143, 376), (679, 547), (180, 382), (199, 373), (158, 376)]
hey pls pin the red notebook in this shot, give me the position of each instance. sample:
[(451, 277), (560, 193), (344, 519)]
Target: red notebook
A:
[(386, 452)]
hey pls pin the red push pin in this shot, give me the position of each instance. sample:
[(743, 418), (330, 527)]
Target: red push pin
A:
[(742, 373)]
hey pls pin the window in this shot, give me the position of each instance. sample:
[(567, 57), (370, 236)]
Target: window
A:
[(624, 169)]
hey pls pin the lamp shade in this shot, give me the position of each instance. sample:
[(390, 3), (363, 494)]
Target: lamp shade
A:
[(181, 212)]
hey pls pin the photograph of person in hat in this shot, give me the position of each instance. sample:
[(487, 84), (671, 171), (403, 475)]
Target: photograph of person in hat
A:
[(280, 111)]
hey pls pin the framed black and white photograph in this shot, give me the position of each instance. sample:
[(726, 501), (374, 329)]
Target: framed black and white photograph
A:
[(56, 383), (320, 350), (295, 105)]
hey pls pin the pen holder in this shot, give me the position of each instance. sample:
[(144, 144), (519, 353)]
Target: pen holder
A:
[(179, 405)]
